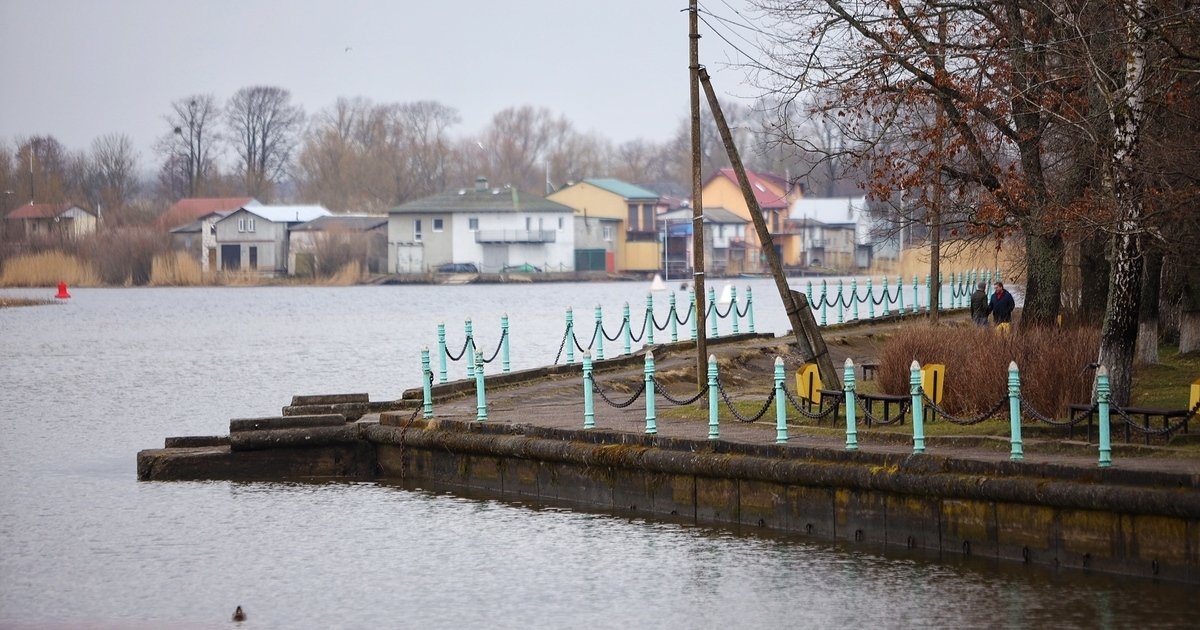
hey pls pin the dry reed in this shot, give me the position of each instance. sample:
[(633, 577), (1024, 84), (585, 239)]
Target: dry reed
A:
[(350, 273), (46, 269), (176, 269)]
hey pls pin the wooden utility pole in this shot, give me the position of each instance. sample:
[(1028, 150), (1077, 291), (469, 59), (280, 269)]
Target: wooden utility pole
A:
[(697, 201), (804, 327)]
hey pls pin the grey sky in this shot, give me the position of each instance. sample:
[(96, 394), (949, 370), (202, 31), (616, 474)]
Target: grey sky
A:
[(78, 69)]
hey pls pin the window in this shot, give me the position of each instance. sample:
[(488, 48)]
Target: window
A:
[(528, 223), (437, 225), (212, 229), (473, 225), (241, 225), (608, 233), (250, 225), (631, 224), (560, 223), (648, 218), (416, 230)]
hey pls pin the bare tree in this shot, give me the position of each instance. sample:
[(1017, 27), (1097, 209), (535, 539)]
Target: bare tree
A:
[(110, 177), (264, 128), (190, 147)]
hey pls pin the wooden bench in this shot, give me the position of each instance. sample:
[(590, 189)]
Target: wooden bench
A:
[(869, 401), (1146, 413), (869, 370)]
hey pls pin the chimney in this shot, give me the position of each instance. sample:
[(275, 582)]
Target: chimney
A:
[(481, 184)]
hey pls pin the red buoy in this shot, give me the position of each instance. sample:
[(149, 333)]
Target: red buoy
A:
[(62, 291)]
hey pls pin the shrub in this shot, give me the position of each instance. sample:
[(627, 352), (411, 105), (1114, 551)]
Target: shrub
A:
[(1050, 361)]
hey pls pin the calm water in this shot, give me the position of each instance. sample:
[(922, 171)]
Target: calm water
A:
[(86, 384)]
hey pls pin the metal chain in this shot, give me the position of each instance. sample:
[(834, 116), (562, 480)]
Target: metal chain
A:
[(638, 337), (739, 416), (904, 406), (688, 317), (745, 311), (461, 353), (941, 413), (1149, 431), (503, 334), (595, 331), (614, 337), (1055, 423), (596, 388), (562, 345), (717, 310), (666, 322), (678, 401), (825, 411)]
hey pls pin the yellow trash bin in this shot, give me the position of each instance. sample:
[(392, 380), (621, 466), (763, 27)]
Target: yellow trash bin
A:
[(808, 383)]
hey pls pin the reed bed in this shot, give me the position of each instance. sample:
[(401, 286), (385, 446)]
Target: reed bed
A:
[(47, 269), (176, 269)]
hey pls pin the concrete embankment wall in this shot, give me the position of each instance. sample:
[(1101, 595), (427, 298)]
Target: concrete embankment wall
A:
[(1113, 520)]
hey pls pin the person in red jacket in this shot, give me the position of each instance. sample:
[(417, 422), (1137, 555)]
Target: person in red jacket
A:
[(1001, 305)]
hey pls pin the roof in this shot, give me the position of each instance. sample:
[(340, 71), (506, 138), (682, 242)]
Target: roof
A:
[(187, 228), (354, 223), (469, 200), (623, 189), (711, 215), (767, 199), (44, 210), (187, 210), (286, 214)]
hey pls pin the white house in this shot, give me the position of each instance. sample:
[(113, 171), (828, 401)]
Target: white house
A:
[(256, 237), (834, 232), (492, 228)]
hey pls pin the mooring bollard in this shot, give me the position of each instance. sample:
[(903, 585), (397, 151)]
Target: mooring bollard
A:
[(695, 311), (851, 412), (589, 409), (569, 337), (673, 314), (713, 392), (870, 300), (809, 289), (426, 383), (712, 308), (599, 335), (886, 297), (480, 396), (1102, 393), (824, 301), (918, 412), (441, 352), (733, 309), (470, 350), (651, 424), (916, 296), (649, 326), (1014, 410), (928, 291), (627, 327), (750, 309), (506, 365), (841, 301), (854, 298), (781, 435)]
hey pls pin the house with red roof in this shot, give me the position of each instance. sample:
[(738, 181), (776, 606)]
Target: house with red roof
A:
[(48, 219), (774, 196)]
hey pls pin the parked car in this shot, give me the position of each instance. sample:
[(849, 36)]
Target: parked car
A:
[(525, 268), (458, 268)]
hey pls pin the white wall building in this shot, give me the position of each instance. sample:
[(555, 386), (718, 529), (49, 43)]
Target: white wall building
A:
[(256, 237)]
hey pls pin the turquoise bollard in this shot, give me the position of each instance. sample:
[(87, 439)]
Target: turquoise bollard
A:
[(714, 431), (824, 302), (649, 319), (851, 410), (589, 408), (695, 312), (713, 330), (841, 300), (1014, 411), (506, 365), (480, 396), (628, 336), (870, 300), (426, 384), (441, 352), (570, 337), (854, 299), (809, 290), (750, 309), (673, 314), (651, 423), (918, 411), (733, 309), (781, 433), (916, 296), (928, 291), (599, 333), (470, 350), (887, 298), (1102, 393), (899, 295)]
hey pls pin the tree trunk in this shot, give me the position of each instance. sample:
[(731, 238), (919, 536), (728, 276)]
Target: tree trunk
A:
[(1189, 331), (1118, 337), (1043, 273), (1094, 271), (1147, 344)]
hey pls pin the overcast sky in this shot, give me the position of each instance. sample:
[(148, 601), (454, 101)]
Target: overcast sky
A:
[(78, 69)]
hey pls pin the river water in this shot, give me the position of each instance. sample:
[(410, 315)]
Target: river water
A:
[(86, 383)]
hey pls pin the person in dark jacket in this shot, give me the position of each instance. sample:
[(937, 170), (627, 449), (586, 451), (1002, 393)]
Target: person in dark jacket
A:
[(1001, 305), (979, 305)]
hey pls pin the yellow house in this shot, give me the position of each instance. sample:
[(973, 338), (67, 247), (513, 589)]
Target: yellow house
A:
[(774, 196), (625, 223)]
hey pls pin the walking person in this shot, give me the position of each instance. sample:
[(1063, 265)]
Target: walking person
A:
[(1001, 305), (979, 305)]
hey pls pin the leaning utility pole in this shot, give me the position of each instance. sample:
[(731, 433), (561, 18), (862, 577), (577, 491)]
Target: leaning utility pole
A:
[(697, 202), (804, 326)]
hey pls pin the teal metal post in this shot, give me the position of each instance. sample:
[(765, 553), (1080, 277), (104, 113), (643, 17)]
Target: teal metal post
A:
[(841, 301), (470, 350), (649, 319), (714, 431), (505, 363), (674, 321), (692, 299), (750, 309), (851, 411), (569, 338), (1014, 410), (928, 291), (441, 352), (1102, 393), (824, 302), (781, 435), (916, 296), (733, 309), (987, 277), (480, 396), (628, 329), (810, 293), (899, 295), (854, 300), (589, 409), (918, 411), (426, 384), (599, 333), (997, 274), (886, 297), (651, 424), (713, 331), (870, 300)]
